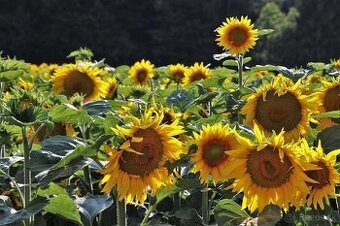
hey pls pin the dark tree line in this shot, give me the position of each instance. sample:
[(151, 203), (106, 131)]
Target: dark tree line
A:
[(164, 31)]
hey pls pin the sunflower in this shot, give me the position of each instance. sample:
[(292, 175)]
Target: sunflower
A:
[(141, 72), (268, 172), (112, 85), (25, 84), (139, 161), (63, 129), (326, 177), (211, 157), (177, 72), (82, 79), (196, 73), (329, 97), (280, 105), (237, 36)]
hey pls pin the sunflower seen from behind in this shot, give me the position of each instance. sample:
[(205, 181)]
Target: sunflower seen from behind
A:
[(211, 157), (78, 78), (278, 106), (141, 72), (196, 72), (237, 36), (268, 172), (325, 175), (139, 162)]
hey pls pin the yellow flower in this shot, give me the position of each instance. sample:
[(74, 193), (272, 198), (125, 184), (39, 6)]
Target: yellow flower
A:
[(141, 72), (280, 105), (139, 161), (336, 63), (63, 129), (326, 177), (177, 72), (268, 172), (329, 97), (82, 79), (112, 85), (237, 36), (211, 157), (196, 73), (25, 84)]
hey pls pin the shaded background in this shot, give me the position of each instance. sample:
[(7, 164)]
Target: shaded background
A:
[(166, 31)]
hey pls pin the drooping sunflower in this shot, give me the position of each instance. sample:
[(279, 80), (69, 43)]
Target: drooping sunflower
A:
[(59, 128), (326, 176), (211, 157), (329, 97), (268, 172), (141, 72), (280, 105), (196, 73), (177, 72), (79, 78), (139, 162), (237, 36)]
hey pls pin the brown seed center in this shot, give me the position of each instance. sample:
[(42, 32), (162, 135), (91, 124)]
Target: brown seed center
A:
[(321, 176), (266, 168), (278, 112), (214, 152), (332, 101), (141, 76), (78, 82), (238, 36), (152, 149)]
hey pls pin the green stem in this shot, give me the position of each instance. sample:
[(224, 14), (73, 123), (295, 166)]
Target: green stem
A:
[(240, 70), (205, 204), (147, 214), (121, 213), (27, 174), (88, 180), (14, 183)]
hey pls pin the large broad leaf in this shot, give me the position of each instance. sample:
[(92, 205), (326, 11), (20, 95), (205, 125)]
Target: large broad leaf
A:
[(7, 162), (227, 212), (90, 206), (68, 113), (180, 99), (330, 139), (60, 203), (97, 107), (8, 215)]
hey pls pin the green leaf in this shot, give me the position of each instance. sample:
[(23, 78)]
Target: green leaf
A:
[(246, 60), (9, 215), (69, 114), (90, 206), (60, 203), (264, 32), (267, 67), (166, 192), (270, 215), (188, 183), (7, 162), (230, 63), (329, 114), (330, 139), (227, 212), (180, 99), (96, 107)]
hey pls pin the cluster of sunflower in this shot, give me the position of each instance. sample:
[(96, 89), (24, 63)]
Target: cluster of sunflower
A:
[(255, 136)]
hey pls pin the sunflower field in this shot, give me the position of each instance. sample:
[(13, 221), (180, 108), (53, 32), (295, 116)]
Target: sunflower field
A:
[(86, 143)]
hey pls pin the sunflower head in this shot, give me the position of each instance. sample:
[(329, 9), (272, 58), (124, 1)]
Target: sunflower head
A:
[(177, 72), (26, 85), (196, 73), (139, 161), (237, 36), (79, 78), (141, 72), (112, 85), (280, 106), (329, 97), (324, 174), (211, 157), (268, 172)]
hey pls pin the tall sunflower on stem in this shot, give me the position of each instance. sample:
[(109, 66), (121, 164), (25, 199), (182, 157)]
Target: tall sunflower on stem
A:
[(139, 162), (141, 72)]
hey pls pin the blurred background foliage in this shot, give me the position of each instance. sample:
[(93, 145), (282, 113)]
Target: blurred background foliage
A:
[(166, 32)]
